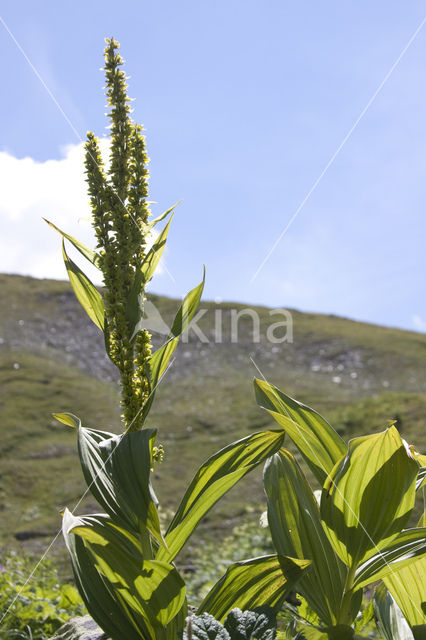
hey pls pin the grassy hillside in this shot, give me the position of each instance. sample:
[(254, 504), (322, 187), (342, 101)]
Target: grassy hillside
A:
[(51, 359)]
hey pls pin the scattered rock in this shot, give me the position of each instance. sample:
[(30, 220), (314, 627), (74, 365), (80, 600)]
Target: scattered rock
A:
[(81, 628)]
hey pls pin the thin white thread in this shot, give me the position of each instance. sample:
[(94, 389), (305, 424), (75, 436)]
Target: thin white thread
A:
[(392, 570), (339, 148)]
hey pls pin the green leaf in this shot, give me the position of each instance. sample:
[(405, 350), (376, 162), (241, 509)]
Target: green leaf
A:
[(253, 583), (158, 361), (259, 624), (389, 619), (67, 418), (97, 594), (420, 478), (408, 587), (297, 531), (134, 307), (214, 478), (368, 497), (86, 292), (163, 215), (152, 590), (320, 445), (117, 470), (89, 254), (404, 549)]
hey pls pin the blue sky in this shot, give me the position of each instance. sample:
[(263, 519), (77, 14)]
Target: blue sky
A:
[(244, 104)]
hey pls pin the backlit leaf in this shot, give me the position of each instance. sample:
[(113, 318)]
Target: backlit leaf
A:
[(117, 470), (390, 621), (214, 478), (403, 550), (320, 445), (85, 291), (297, 531), (368, 497), (253, 583)]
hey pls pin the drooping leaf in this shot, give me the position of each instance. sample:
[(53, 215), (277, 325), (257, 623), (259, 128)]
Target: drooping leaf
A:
[(67, 418), (257, 624), (142, 276), (320, 445), (253, 583), (158, 361), (88, 253), (117, 471), (85, 291), (205, 627), (97, 593), (408, 587), (297, 531), (408, 546), (389, 618), (214, 478), (368, 497), (147, 588)]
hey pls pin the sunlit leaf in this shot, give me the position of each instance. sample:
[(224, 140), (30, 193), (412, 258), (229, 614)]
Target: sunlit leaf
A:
[(253, 583), (97, 594), (368, 497), (117, 471), (408, 587), (88, 253), (145, 588), (67, 418), (157, 363), (214, 478), (85, 291), (152, 223), (420, 478), (403, 550), (142, 276), (389, 618), (320, 445), (297, 531)]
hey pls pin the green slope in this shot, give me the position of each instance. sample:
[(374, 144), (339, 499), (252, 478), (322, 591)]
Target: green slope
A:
[(51, 359)]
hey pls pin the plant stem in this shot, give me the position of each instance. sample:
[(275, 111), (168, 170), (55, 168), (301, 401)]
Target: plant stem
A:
[(345, 616)]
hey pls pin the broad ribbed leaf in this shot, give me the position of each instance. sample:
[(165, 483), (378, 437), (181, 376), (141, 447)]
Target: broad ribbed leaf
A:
[(408, 587), (158, 361), (117, 471), (403, 550), (320, 445), (253, 583), (88, 253), (214, 478), (368, 497), (96, 592), (148, 588), (390, 621), (142, 276), (297, 531), (85, 291)]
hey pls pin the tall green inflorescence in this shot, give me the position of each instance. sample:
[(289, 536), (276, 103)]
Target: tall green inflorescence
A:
[(118, 197)]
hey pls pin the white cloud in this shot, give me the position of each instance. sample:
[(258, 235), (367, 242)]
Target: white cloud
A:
[(55, 190), (419, 323)]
